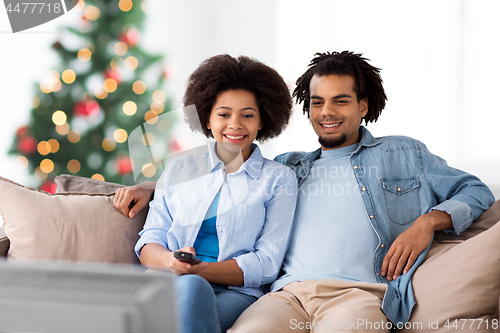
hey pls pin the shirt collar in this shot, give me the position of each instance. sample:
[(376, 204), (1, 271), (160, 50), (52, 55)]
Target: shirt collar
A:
[(367, 138), (252, 165)]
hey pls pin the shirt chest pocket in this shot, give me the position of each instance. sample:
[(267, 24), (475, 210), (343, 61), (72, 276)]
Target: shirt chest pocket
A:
[(402, 199), (248, 221)]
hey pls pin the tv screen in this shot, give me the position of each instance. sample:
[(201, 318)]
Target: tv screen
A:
[(55, 297)]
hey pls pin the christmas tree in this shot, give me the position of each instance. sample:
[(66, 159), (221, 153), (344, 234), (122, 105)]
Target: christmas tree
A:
[(105, 86)]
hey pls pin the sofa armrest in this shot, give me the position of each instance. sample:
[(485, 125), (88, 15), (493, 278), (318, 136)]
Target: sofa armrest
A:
[(4, 243)]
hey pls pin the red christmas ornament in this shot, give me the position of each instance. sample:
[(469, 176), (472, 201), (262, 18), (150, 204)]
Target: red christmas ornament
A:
[(124, 165), (175, 146), (112, 74), (49, 186), (22, 131), (130, 37), (168, 72), (57, 45), (85, 109), (27, 145)]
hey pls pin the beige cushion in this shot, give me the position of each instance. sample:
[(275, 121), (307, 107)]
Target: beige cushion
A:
[(69, 183), (459, 280), (66, 226)]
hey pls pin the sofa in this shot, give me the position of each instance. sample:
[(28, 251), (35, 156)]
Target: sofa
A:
[(457, 287)]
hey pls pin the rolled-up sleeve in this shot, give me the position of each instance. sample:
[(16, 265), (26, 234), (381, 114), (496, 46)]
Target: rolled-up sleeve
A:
[(458, 193), (263, 265)]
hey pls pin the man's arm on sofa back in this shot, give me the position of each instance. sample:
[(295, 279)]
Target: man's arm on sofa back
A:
[(4, 243)]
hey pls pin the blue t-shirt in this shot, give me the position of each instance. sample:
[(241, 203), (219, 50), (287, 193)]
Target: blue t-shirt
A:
[(206, 244)]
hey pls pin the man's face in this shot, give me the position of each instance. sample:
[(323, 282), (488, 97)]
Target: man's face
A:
[(335, 111)]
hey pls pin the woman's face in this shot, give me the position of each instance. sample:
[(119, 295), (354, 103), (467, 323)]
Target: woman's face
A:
[(235, 119)]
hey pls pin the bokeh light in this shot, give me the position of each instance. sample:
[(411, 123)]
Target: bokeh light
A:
[(43, 148), (47, 165), (100, 92), (120, 135), (40, 174), (91, 13), (120, 48), (74, 166), (131, 63), (125, 5), (151, 117), (59, 117), (108, 144), (36, 102), (163, 126), (98, 176), (68, 76), (21, 162), (129, 108), (62, 129), (159, 96), (139, 87), (157, 107), (115, 63), (74, 136), (148, 139), (54, 145), (84, 55), (148, 170), (110, 85)]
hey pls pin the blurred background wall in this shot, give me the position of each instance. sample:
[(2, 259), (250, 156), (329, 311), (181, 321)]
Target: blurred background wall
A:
[(438, 61)]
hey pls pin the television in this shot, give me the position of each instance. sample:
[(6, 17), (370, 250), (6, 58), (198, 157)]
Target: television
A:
[(61, 297)]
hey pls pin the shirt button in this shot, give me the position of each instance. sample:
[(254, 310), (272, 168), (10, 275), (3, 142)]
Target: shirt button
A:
[(363, 189), (382, 245), (300, 178), (355, 167), (377, 274), (399, 189), (229, 287), (371, 216)]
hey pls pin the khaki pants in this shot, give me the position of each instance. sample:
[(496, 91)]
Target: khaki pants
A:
[(317, 306)]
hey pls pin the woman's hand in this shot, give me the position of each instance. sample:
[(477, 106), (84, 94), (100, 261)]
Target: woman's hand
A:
[(182, 268), (131, 200)]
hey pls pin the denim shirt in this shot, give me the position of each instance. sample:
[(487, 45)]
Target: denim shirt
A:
[(254, 215), (400, 180)]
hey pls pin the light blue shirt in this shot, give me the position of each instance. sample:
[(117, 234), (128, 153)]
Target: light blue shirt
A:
[(330, 200), (400, 180), (254, 215)]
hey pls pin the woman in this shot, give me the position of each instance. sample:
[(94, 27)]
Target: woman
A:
[(237, 216)]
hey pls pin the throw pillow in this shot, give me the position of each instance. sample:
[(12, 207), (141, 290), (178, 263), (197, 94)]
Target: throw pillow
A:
[(69, 183), (67, 226)]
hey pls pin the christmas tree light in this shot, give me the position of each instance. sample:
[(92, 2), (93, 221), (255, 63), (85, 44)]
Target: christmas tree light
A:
[(105, 86)]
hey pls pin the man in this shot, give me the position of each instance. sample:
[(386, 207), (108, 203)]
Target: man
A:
[(366, 212)]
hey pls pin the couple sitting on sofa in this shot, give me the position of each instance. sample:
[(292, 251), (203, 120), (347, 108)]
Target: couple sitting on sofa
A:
[(347, 230)]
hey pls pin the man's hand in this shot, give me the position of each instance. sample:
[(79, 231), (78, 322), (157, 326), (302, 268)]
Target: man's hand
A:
[(132, 199), (182, 268), (406, 248)]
